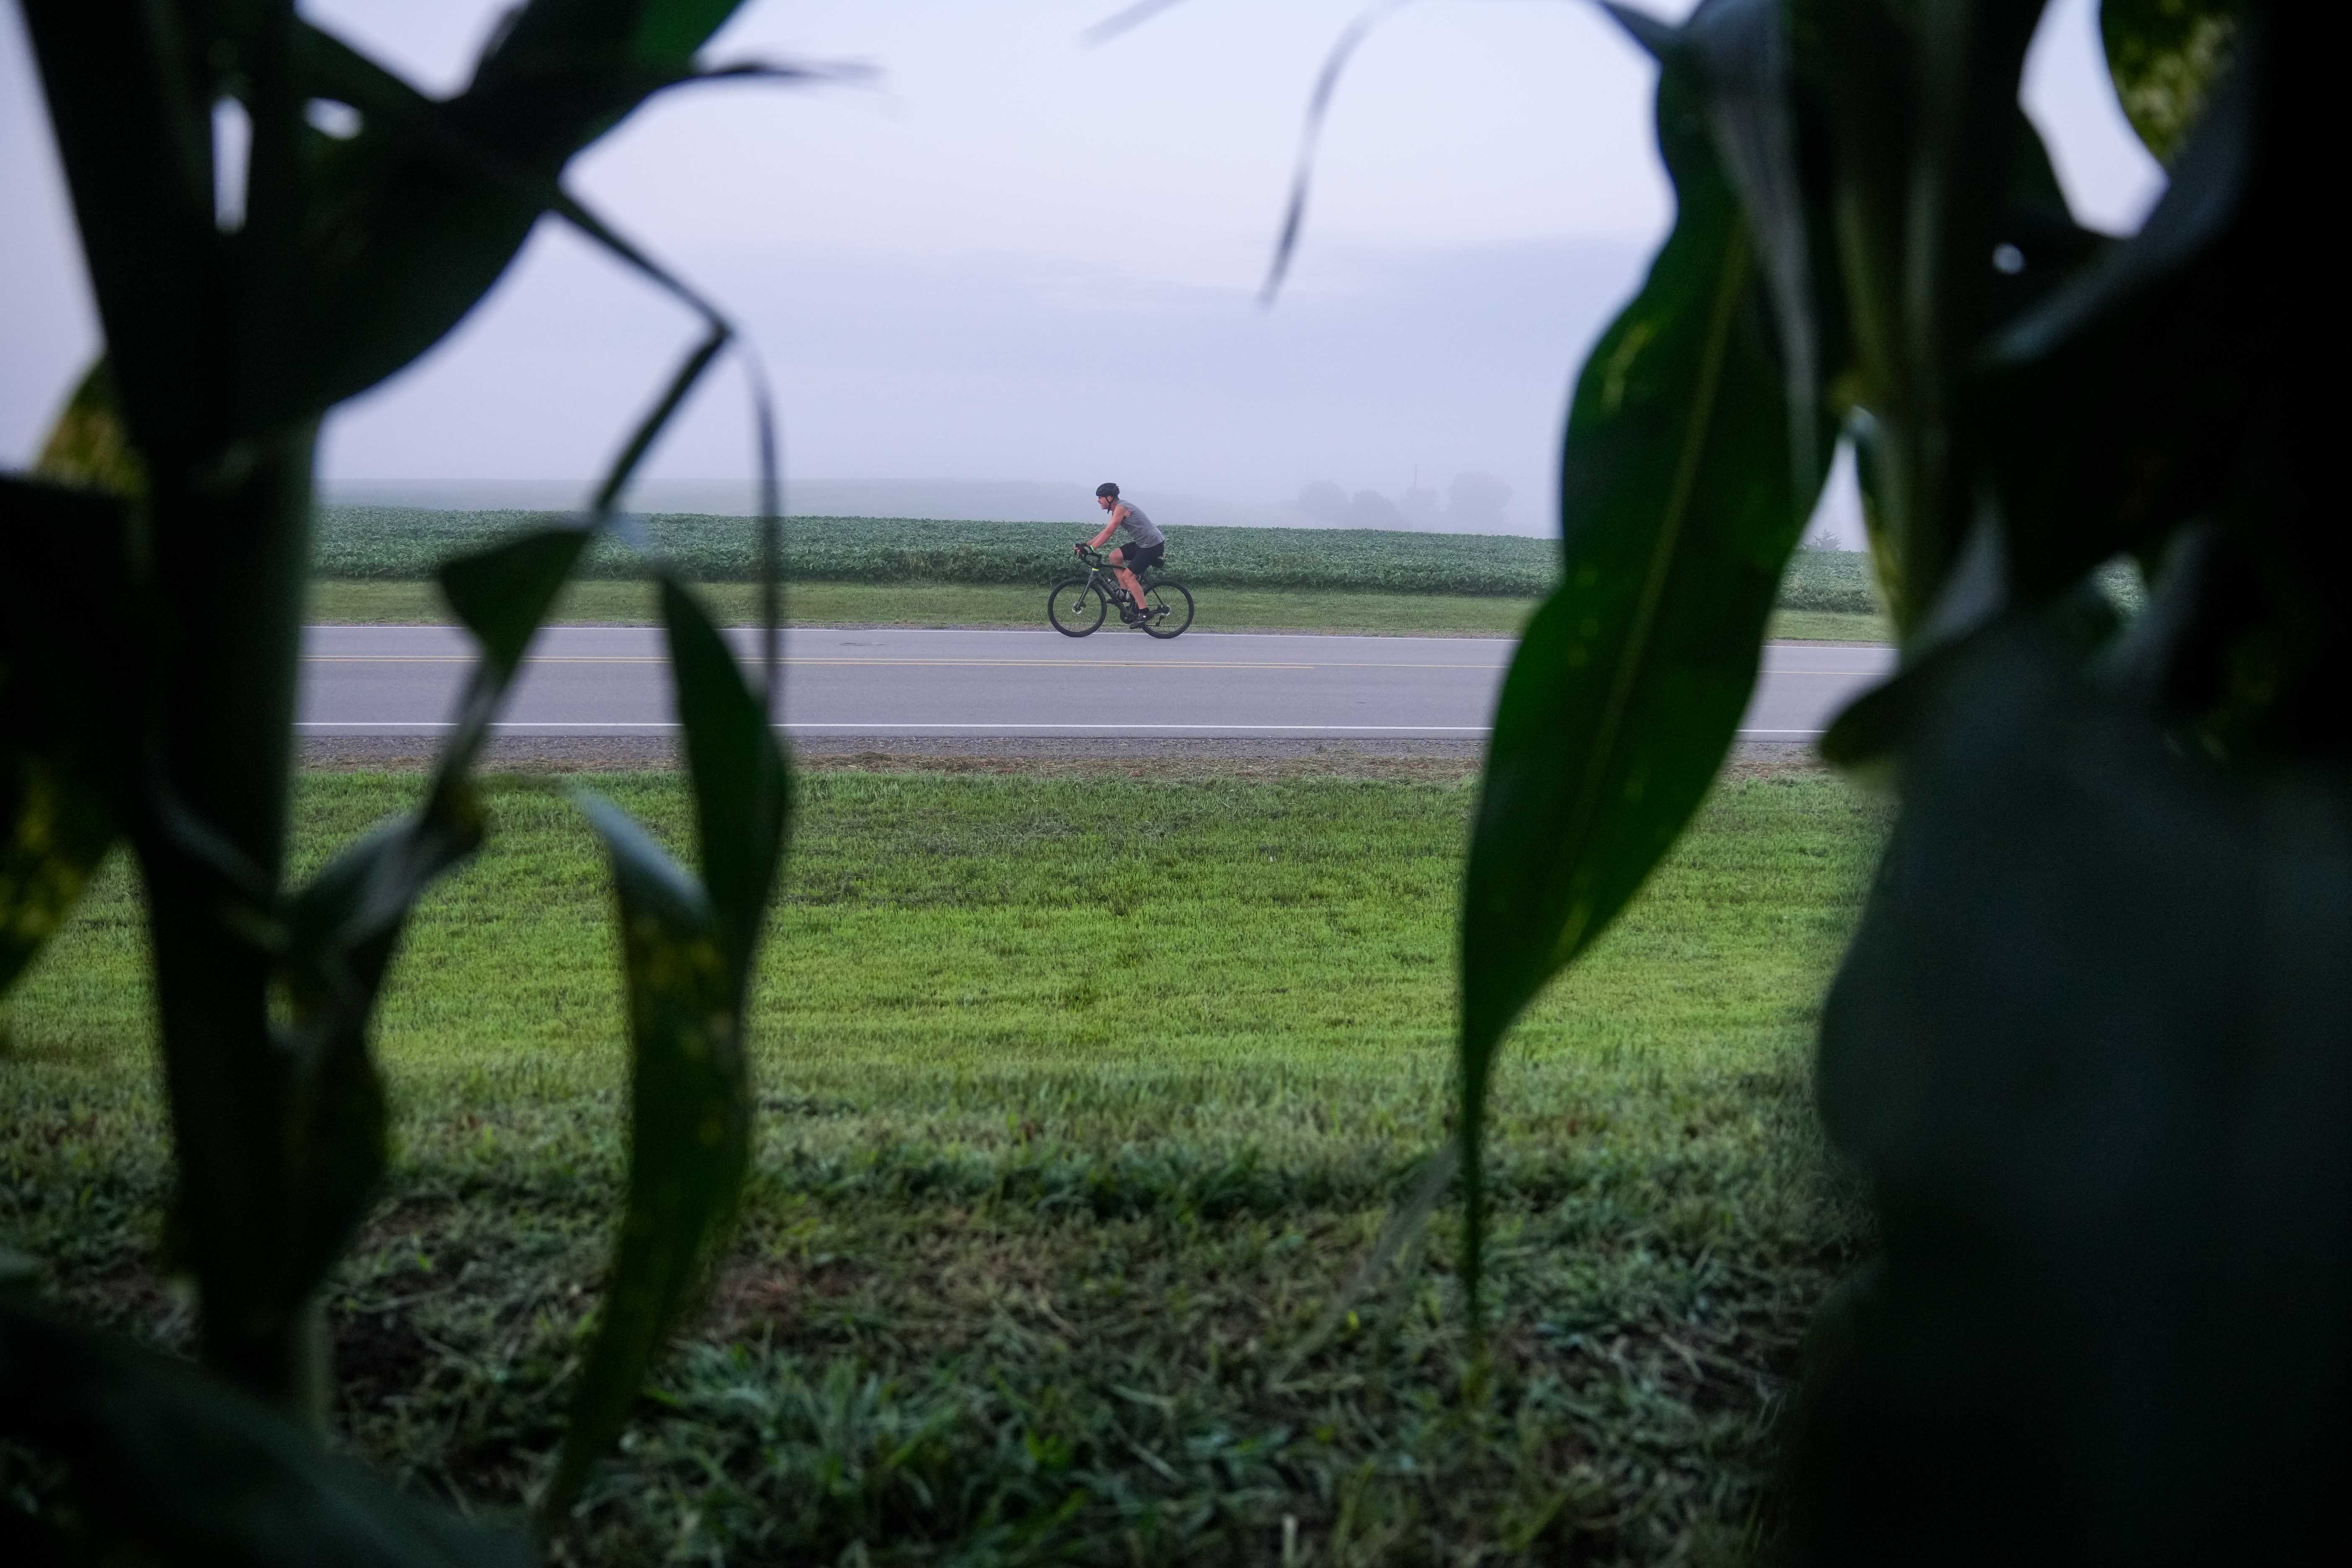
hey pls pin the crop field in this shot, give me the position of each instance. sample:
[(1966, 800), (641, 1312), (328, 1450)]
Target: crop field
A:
[(395, 542), (1082, 1094)]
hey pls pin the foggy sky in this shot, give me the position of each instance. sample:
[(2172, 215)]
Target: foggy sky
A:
[(1023, 259)]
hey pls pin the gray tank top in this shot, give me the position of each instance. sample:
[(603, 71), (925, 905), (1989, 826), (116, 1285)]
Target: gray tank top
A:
[(1139, 528)]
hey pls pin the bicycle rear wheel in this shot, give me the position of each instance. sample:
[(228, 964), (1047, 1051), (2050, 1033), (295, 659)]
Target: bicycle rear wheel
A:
[(1168, 609), (1075, 606)]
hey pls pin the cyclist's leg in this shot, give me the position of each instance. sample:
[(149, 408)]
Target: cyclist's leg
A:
[(1126, 578), (1132, 576)]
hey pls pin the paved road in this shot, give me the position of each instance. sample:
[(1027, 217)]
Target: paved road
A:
[(611, 680)]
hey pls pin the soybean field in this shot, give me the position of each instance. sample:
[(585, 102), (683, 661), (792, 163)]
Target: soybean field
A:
[(397, 543)]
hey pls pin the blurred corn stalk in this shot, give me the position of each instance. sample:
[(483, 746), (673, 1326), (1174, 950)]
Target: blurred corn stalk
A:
[(2091, 1048), (152, 579)]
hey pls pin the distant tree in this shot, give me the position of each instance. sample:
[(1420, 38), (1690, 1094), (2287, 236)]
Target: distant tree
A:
[(1475, 502), (1324, 502), (1369, 508)]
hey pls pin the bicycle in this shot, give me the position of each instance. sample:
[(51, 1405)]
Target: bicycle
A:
[(1077, 605)]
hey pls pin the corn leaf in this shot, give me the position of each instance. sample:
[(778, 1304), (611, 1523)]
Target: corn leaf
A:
[(689, 1131), (345, 926), (87, 447), (126, 94), (1678, 512), (412, 220), (2090, 1052), (737, 772), (1742, 50), (1913, 105), (2114, 408), (688, 948), (67, 663), (53, 834)]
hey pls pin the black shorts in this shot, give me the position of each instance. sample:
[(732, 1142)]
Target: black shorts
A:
[(1135, 557)]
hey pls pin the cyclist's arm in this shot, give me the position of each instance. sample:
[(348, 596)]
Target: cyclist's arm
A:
[(1108, 529)]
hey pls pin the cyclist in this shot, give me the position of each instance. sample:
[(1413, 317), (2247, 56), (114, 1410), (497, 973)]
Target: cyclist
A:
[(1144, 547)]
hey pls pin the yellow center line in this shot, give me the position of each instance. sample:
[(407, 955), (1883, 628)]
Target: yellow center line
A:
[(893, 663), (944, 663)]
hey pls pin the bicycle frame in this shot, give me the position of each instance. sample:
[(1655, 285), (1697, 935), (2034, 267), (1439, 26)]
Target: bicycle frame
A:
[(1148, 610), (1102, 577)]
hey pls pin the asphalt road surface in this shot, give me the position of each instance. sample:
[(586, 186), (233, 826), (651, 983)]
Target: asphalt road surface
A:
[(900, 684)]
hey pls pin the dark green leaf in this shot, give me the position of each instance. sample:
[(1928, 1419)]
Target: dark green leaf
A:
[(689, 1131), (88, 447), (503, 594), (2165, 56), (72, 644), (345, 926), (1915, 104), (669, 31), (551, 42), (737, 769), (656, 418), (1677, 516), (2092, 1052), (2114, 408), (413, 219), (212, 731), (2046, 249), (1871, 732), (2050, 248), (68, 654), (53, 834), (128, 96), (1740, 49), (1660, 38), (194, 1472)]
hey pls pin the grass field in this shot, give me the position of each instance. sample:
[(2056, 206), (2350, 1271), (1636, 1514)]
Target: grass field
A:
[(1081, 1092), (999, 604)]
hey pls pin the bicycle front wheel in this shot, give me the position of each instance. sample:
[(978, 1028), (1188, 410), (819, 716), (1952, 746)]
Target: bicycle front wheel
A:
[(1075, 606), (1167, 609)]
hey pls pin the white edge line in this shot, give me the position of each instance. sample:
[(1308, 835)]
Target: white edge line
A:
[(753, 632), (421, 727), (607, 727)]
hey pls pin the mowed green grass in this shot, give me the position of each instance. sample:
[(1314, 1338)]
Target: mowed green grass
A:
[(1081, 1096), (999, 604)]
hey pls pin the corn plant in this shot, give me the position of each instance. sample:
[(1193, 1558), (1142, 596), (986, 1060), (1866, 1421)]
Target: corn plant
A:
[(152, 578), (2088, 1051)]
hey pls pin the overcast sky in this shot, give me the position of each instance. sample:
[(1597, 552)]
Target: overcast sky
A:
[(1021, 258)]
